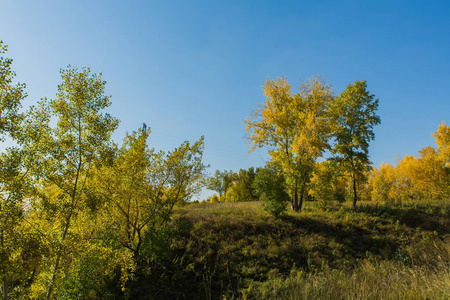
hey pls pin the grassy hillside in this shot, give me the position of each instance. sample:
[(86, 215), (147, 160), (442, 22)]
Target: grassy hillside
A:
[(239, 251)]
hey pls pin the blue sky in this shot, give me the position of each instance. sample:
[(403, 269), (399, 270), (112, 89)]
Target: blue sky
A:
[(193, 68)]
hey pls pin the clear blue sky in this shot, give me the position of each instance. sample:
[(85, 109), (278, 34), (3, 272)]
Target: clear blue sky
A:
[(192, 68)]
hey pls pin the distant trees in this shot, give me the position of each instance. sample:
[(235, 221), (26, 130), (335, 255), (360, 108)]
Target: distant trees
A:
[(328, 183), (426, 176), (239, 186), (220, 183)]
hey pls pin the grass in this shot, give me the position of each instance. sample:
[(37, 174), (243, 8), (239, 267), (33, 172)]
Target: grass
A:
[(236, 250)]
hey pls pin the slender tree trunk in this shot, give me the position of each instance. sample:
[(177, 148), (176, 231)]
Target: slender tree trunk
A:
[(63, 237), (4, 283), (300, 203), (294, 201), (58, 258), (4, 290), (355, 195)]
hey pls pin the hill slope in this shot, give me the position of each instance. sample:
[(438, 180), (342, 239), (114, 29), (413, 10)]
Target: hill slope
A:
[(238, 250)]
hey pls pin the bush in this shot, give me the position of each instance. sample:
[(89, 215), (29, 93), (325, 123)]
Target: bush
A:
[(269, 184)]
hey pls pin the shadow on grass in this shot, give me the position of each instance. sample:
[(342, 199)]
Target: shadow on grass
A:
[(357, 242), (426, 217)]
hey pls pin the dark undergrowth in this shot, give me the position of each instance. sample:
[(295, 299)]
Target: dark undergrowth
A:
[(217, 251)]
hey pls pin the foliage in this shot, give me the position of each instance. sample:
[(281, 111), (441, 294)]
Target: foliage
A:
[(328, 183), (295, 129), (142, 186), (220, 182), (384, 184), (269, 184), (442, 136), (353, 118), (426, 176), (242, 187), (70, 149), (11, 96)]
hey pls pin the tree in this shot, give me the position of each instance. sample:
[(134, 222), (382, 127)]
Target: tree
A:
[(295, 129), (11, 96), (12, 181), (327, 183), (241, 188), (221, 182), (442, 137), (353, 118), (68, 151), (270, 186), (384, 183), (142, 186)]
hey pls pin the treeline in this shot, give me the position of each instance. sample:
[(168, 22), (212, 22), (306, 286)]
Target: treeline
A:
[(78, 212), (233, 187), (299, 128), (423, 177)]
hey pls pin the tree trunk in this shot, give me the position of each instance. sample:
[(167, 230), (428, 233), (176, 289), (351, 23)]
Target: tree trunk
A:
[(63, 236), (58, 258), (4, 290), (4, 283), (301, 202), (294, 201), (355, 196)]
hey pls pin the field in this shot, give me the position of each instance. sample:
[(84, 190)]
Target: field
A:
[(238, 251)]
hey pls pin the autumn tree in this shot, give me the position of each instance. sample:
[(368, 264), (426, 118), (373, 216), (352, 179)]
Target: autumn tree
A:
[(142, 186), (294, 128), (353, 118), (442, 138), (384, 183), (328, 183)]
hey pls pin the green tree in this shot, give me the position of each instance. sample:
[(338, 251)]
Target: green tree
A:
[(354, 117), (270, 185), (295, 129), (12, 178), (11, 96), (68, 151)]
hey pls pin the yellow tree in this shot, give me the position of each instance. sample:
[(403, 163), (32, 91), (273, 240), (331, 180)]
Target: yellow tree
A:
[(384, 183), (294, 127), (327, 183), (430, 174), (142, 186), (442, 137)]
